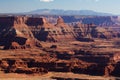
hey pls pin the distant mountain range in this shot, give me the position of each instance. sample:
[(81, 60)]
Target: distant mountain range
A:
[(68, 12)]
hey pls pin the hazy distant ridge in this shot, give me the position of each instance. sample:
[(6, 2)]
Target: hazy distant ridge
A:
[(68, 12)]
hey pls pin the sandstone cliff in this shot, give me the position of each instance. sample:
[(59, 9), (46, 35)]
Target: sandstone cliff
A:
[(14, 33), (23, 32), (52, 33), (99, 65), (92, 31)]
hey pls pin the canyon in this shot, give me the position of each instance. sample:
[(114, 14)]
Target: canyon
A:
[(42, 44)]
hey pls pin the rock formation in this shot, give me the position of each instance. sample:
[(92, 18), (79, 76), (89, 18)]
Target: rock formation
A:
[(52, 33), (92, 31), (25, 32), (14, 32), (102, 65), (21, 32)]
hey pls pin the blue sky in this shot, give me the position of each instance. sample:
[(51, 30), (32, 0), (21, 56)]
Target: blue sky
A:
[(14, 6)]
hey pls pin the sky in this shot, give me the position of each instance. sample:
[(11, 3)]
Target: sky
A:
[(16, 6)]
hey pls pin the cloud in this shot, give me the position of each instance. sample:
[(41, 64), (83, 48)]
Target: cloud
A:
[(46, 0)]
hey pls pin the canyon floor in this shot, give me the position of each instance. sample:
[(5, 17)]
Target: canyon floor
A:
[(63, 52), (53, 76)]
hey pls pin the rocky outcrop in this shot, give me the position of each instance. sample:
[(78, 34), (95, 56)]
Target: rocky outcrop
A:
[(63, 32), (41, 29), (53, 33), (82, 64), (84, 32), (18, 32), (92, 31), (27, 32), (20, 66), (14, 32)]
